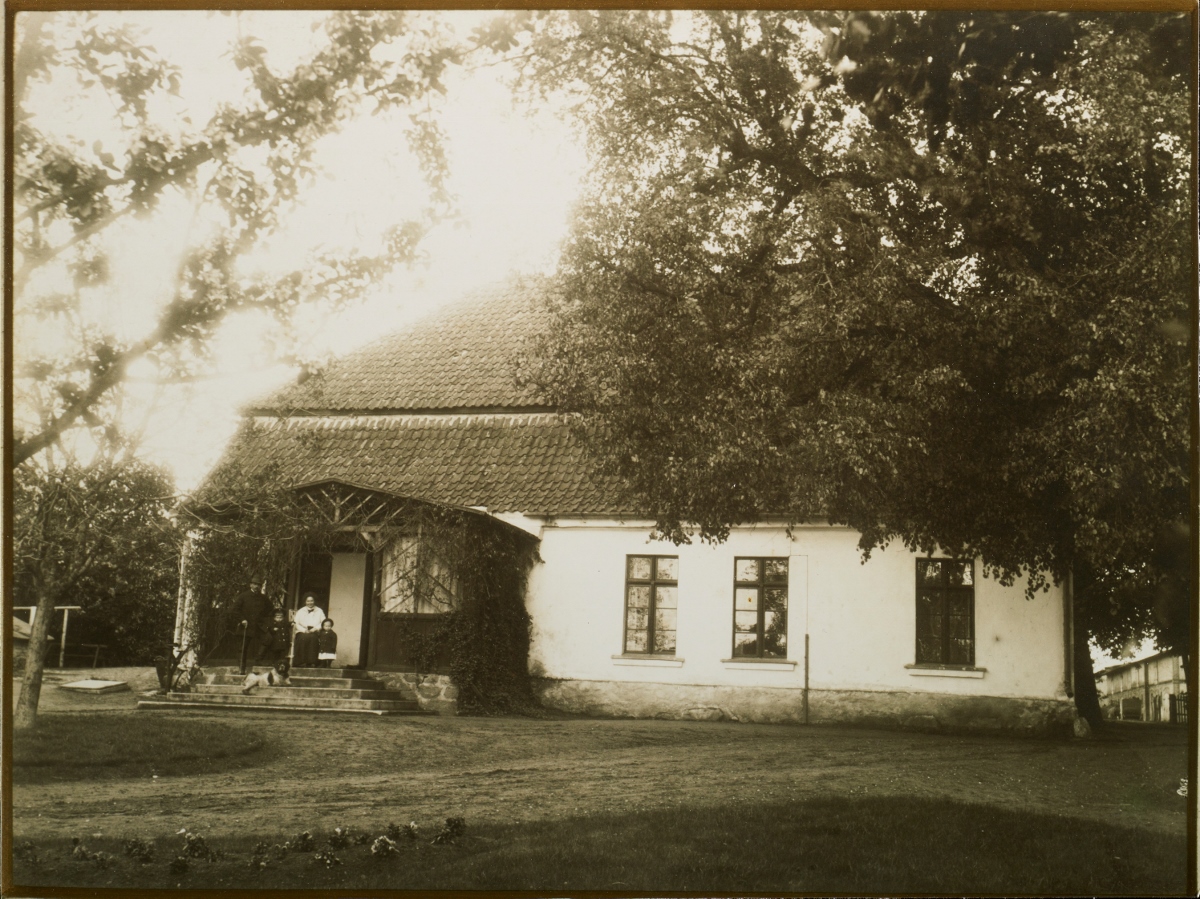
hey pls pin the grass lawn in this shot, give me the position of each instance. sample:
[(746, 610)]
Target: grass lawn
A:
[(70, 747), (824, 845), (569, 805)]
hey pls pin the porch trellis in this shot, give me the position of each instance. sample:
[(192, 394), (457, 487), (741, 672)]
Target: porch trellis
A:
[(344, 512)]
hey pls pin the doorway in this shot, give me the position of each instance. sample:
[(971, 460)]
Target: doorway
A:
[(339, 582)]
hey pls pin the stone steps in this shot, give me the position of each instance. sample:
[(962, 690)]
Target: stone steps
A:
[(342, 683), (310, 690), (377, 692)]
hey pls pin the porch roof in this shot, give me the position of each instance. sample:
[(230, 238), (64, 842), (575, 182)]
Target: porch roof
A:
[(529, 463)]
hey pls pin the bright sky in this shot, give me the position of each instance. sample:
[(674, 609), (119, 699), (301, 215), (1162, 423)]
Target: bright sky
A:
[(515, 174)]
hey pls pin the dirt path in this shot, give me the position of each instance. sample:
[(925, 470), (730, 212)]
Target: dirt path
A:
[(331, 770)]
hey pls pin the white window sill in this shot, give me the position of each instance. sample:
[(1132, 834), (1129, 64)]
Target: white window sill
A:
[(923, 671), (760, 664), (648, 661)]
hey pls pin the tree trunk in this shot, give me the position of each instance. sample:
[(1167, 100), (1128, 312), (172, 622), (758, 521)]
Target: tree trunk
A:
[(25, 716), (1087, 701)]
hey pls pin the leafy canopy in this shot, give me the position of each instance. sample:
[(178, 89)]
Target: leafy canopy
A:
[(242, 171), (925, 274)]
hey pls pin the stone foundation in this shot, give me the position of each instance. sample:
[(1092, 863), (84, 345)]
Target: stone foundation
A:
[(777, 705), (435, 692)]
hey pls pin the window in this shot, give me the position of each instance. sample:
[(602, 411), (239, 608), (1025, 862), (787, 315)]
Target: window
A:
[(411, 580), (651, 601), (945, 612), (760, 592)]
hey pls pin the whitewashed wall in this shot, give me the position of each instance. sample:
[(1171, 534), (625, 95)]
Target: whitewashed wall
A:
[(861, 618)]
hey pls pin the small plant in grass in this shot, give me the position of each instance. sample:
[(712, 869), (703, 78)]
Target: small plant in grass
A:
[(326, 858), (362, 839), (340, 838), (408, 832), (451, 831), (81, 853), (384, 847), (258, 857), (1183, 787), (301, 842), (25, 852), (139, 850), (195, 846), (179, 865)]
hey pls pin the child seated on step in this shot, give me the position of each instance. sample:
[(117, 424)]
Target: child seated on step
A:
[(326, 644)]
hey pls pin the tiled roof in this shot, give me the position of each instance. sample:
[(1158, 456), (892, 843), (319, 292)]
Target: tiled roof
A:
[(462, 357), (507, 462)]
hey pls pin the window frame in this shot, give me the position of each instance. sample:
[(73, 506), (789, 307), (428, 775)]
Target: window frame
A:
[(654, 582), (946, 590), (761, 584)]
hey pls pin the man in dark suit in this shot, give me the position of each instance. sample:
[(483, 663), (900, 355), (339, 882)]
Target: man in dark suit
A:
[(251, 614)]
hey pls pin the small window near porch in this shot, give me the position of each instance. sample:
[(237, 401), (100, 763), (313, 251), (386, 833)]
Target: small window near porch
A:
[(760, 596), (651, 604), (945, 612), (413, 581)]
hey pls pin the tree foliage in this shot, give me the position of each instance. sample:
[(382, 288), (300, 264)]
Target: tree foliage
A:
[(925, 274), (242, 170), (100, 536)]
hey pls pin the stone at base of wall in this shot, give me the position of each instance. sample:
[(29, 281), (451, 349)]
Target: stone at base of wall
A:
[(908, 710), (435, 692)]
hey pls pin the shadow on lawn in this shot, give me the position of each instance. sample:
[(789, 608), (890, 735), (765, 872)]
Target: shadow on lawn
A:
[(840, 844), (87, 747)]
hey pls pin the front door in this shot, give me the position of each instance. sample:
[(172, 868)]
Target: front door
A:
[(339, 582)]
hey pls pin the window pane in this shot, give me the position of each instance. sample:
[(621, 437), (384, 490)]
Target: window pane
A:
[(638, 597), (668, 568), (960, 652), (929, 651), (639, 568), (776, 570), (929, 571), (960, 627), (958, 574), (746, 570), (635, 641), (664, 619), (666, 597), (775, 634), (745, 645), (745, 599), (775, 599), (745, 622), (664, 641), (929, 604), (637, 619)]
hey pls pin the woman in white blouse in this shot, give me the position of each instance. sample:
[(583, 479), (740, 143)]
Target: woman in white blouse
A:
[(307, 620)]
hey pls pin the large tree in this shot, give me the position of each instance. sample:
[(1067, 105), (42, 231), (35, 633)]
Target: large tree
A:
[(925, 274)]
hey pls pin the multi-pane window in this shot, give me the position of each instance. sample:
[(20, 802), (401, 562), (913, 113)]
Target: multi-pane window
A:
[(651, 602), (760, 593), (945, 612), (411, 580)]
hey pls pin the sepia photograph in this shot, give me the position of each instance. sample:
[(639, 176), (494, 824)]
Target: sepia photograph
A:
[(636, 451)]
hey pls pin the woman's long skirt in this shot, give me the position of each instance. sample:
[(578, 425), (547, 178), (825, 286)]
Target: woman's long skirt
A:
[(304, 654)]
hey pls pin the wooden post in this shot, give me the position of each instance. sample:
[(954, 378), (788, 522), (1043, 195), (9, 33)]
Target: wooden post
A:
[(62, 647), (806, 678)]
